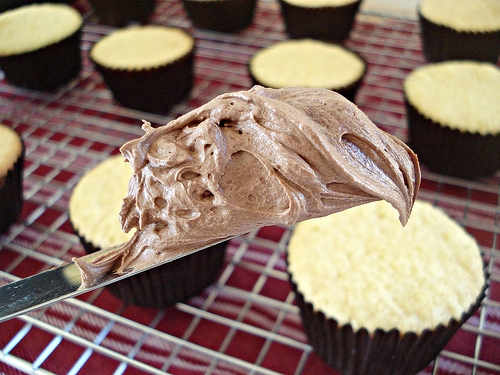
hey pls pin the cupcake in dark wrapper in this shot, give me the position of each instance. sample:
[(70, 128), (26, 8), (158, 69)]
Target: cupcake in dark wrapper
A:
[(228, 16), (453, 117), (11, 177), (94, 214), (119, 13), (12, 4), (45, 55), (330, 20), (377, 298), (460, 30), (308, 63), (149, 68)]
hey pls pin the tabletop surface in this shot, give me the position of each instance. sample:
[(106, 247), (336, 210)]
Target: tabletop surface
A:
[(247, 321)]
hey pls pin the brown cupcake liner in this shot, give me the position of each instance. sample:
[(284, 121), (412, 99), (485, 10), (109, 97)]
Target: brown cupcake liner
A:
[(151, 90), (354, 352), (12, 4), (120, 13), (11, 194), (442, 43), (325, 23), (450, 151), (169, 283), (47, 68), (228, 16), (349, 91)]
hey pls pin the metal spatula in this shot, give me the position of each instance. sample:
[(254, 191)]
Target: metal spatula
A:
[(63, 282)]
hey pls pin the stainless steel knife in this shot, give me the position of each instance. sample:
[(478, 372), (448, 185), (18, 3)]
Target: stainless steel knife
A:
[(48, 287)]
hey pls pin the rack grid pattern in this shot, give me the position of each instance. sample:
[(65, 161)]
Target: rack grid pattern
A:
[(246, 322)]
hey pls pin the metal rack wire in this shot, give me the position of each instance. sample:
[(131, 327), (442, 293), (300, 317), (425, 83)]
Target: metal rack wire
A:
[(246, 322)]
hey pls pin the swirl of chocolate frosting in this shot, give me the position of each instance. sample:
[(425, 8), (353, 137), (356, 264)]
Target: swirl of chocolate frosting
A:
[(250, 159)]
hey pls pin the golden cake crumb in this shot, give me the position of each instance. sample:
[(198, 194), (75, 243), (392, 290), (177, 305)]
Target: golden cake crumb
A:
[(360, 266)]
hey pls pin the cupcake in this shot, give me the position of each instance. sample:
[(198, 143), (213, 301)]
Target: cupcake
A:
[(319, 19), (460, 29), (119, 13), (46, 54), (453, 117), (308, 63), (12, 4), (379, 298), (220, 15), (149, 68), (94, 209), (11, 177)]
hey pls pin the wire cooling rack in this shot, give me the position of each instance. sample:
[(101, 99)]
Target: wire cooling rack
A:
[(246, 322)]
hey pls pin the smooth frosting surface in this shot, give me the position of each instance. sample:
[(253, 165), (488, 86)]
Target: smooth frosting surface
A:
[(250, 159), (463, 15), (361, 267), (309, 63), (462, 95), (31, 27), (141, 47)]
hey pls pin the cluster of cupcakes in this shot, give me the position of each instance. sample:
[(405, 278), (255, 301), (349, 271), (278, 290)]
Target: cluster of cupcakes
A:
[(315, 55), (452, 101), (148, 68)]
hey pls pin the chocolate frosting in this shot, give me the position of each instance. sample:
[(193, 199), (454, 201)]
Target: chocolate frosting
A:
[(250, 159)]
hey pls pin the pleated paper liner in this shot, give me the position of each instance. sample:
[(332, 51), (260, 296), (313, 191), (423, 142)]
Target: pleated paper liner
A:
[(230, 16), (46, 68), (450, 151), (442, 43), (358, 352), (154, 90), (171, 282), (120, 13), (332, 23)]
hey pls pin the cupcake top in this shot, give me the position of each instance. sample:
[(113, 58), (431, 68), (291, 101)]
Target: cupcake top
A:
[(463, 15), (361, 267), (142, 47), (95, 204), (320, 3), (32, 27), (10, 149), (462, 95), (309, 63)]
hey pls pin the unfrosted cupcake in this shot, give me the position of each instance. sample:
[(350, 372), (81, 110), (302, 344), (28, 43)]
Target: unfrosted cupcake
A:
[(460, 29), (11, 177), (94, 210), (120, 13), (453, 117), (308, 63), (220, 15), (46, 54), (377, 298), (149, 68), (319, 19)]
